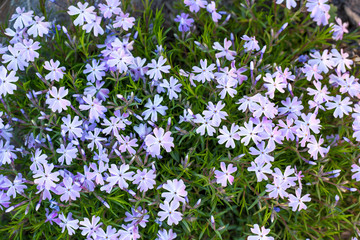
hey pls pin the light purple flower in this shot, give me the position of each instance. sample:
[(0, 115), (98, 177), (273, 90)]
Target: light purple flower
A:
[(56, 72), (185, 22), (44, 177), (176, 191), (85, 14), (224, 175), (7, 85), (159, 139), (69, 223), (144, 179), (169, 212), (68, 190), (56, 102), (124, 21)]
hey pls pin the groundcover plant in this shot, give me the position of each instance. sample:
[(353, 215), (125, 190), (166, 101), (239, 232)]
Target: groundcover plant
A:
[(215, 120)]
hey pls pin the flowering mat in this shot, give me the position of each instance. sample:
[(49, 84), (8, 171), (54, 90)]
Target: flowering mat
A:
[(236, 121)]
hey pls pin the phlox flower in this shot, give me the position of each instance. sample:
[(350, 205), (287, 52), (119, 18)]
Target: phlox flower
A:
[(350, 85), (56, 72), (172, 87), (44, 177), (341, 60), (112, 125), (338, 29), (320, 93), (28, 48), (124, 21), (292, 108), (224, 51), (246, 103), (262, 152), (95, 70), (119, 176), (276, 189), (89, 228), (154, 108), (56, 102), (22, 19), (15, 186), (206, 124), (356, 170), (224, 175), (110, 234), (176, 191), (211, 8), (261, 233), (38, 27), (120, 59), (273, 84), (227, 85), (169, 212), (214, 113), (129, 231), (289, 3), (69, 223), (111, 7), (51, 217), (137, 68), (71, 127), (205, 72), (97, 172), (341, 106), (250, 133), (195, 5), (297, 202), (68, 153), (94, 25), (303, 132), (184, 21), (311, 71), (127, 144), (68, 189), (273, 135), (165, 235), (285, 179), (260, 167), (159, 139), (137, 216), (288, 129), (265, 107), (38, 160), (250, 43), (85, 13), (17, 36), (7, 85), (310, 121), (97, 90), (144, 179), (319, 11), (155, 68), (229, 136), (95, 139), (15, 60), (96, 110), (323, 62), (4, 200), (315, 147)]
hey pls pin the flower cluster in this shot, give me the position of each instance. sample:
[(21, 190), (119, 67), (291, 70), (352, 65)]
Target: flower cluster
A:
[(108, 130)]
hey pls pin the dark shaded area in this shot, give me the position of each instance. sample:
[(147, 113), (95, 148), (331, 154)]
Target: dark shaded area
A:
[(349, 11)]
